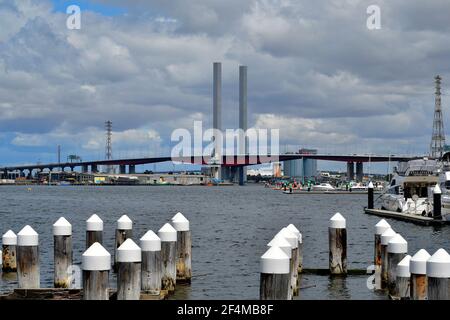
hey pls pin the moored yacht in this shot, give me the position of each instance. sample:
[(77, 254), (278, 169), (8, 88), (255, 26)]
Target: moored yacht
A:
[(323, 187)]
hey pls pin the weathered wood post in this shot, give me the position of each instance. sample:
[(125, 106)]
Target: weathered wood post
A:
[(168, 236), (96, 263), (294, 229), (370, 196), (282, 243), (385, 238), (438, 273), (28, 269), (124, 231), (437, 204), (380, 227), (293, 241), (94, 230), (403, 278), (397, 249), (9, 253), (337, 237), (184, 247), (129, 271), (151, 273), (275, 275), (62, 253), (418, 269)]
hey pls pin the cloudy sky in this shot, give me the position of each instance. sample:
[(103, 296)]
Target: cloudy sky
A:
[(315, 71)]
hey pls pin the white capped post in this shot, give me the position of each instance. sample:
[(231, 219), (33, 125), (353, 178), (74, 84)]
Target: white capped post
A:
[(292, 238), (275, 275), (294, 229), (438, 273), (96, 263), (62, 253), (28, 269), (124, 231), (419, 281), (168, 236), (397, 249), (380, 227), (9, 253), (94, 230), (337, 237), (129, 259), (151, 273), (184, 248), (403, 278), (385, 238)]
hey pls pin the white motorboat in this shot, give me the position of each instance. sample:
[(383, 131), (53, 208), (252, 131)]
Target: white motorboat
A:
[(323, 187)]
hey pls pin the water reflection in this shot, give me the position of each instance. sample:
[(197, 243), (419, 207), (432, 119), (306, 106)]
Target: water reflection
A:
[(337, 288)]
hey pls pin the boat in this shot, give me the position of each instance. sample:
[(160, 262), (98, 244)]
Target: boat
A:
[(411, 188), (358, 188), (323, 187), (444, 184)]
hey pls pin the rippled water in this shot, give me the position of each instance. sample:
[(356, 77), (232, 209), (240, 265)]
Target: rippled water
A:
[(230, 227)]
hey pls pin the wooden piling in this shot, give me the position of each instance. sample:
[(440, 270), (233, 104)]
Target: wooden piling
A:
[(402, 281), (94, 230), (168, 236), (9, 252), (129, 271), (337, 237), (385, 237), (275, 275), (380, 227), (293, 241), (184, 248), (370, 196), (151, 273), (437, 203), (397, 249), (124, 231), (294, 229), (96, 263), (438, 273), (28, 269), (282, 243), (63, 256), (419, 281)]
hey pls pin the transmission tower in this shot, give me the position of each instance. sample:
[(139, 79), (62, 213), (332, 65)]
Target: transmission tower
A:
[(108, 148), (438, 136)]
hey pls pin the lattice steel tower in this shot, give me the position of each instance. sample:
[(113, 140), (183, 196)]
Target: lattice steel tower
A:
[(108, 148), (438, 137)]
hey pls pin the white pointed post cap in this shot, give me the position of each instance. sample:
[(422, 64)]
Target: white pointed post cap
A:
[(94, 223), (62, 227), (370, 186), (397, 244), (1, 257), (381, 227), (27, 237), (275, 261), (290, 237), (437, 189), (124, 223), (418, 263), (167, 233), (438, 265), (129, 251), (297, 232), (9, 238), (403, 267), (282, 243), (386, 236), (337, 221), (150, 242), (96, 258), (180, 223)]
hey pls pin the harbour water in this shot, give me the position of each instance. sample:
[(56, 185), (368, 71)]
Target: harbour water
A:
[(230, 227)]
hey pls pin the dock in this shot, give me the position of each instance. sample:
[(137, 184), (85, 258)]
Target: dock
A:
[(325, 192), (417, 219)]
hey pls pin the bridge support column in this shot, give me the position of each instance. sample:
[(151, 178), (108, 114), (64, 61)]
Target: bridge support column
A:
[(30, 174), (94, 168), (122, 169), (359, 171), (350, 171), (85, 168), (131, 169)]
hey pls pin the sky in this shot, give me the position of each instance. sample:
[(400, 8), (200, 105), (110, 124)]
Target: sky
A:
[(315, 71)]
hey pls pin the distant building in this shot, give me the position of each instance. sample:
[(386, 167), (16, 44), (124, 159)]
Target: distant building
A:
[(303, 169)]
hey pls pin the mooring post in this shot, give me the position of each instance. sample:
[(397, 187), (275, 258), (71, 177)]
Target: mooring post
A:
[(151, 273), (184, 247), (96, 263), (28, 269), (9, 253), (438, 273), (168, 236), (129, 271), (370, 196), (385, 238), (294, 229), (437, 204), (94, 230), (282, 243), (62, 253), (380, 227), (293, 241), (275, 275), (403, 279), (337, 238), (397, 249), (124, 231), (418, 269)]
